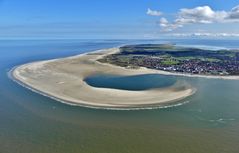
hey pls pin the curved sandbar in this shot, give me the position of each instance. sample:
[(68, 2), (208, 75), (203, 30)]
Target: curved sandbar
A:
[(63, 79)]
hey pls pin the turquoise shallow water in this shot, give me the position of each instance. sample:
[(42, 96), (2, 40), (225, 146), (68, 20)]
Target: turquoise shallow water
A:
[(30, 122)]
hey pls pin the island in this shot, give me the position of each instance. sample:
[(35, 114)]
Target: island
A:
[(63, 80), (172, 58)]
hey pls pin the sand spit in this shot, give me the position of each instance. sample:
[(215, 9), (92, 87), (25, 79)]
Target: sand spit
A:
[(63, 80)]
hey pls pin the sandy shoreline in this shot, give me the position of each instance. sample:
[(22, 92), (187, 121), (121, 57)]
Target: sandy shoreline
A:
[(63, 80), (180, 74)]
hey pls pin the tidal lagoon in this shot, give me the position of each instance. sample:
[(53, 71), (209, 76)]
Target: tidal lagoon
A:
[(208, 121)]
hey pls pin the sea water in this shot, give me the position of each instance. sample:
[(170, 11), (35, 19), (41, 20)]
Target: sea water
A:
[(134, 82), (208, 121)]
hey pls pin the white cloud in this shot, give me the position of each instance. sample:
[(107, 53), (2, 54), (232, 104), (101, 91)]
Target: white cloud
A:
[(153, 12), (204, 34), (200, 15), (163, 22), (234, 14)]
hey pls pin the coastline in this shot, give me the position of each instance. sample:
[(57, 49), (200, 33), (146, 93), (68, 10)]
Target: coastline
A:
[(229, 77), (25, 75), (148, 107)]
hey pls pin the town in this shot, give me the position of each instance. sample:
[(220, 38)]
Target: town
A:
[(168, 57)]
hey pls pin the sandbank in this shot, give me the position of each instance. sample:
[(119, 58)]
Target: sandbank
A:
[(63, 80)]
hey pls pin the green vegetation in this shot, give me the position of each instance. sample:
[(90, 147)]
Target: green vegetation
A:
[(175, 58), (170, 62)]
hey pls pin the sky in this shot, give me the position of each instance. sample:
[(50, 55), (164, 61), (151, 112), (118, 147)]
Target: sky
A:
[(118, 19)]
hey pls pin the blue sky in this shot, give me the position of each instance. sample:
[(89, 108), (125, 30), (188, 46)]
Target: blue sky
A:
[(115, 18)]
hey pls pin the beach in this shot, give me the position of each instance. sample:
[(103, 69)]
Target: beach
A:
[(30, 121), (63, 80)]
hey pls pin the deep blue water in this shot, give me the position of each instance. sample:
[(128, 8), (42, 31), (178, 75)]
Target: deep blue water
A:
[(30, 122), (137, 82)]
